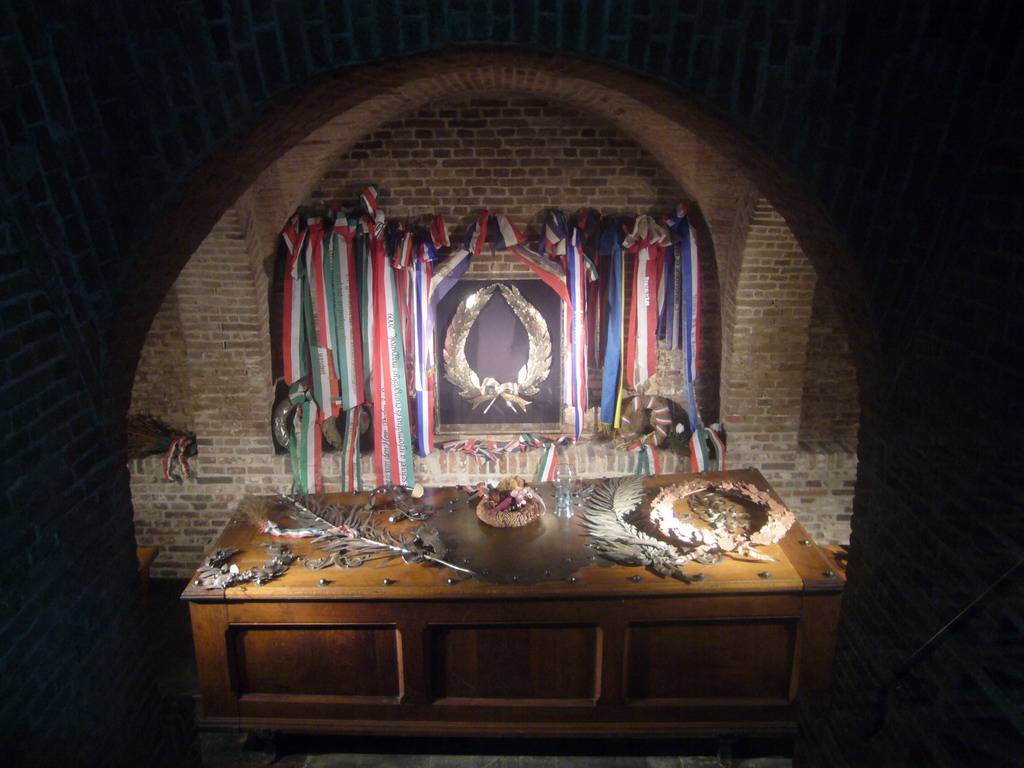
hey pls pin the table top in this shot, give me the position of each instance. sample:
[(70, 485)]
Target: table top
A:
[(545, 559)]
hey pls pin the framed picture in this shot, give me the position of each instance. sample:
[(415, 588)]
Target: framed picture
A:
[(498, 347)]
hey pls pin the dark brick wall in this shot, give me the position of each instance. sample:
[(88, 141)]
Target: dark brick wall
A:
[(519, 157), (901, 119), (829, 412)]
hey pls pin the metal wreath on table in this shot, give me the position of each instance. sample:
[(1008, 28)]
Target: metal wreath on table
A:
[(729, 531), (610, 517)]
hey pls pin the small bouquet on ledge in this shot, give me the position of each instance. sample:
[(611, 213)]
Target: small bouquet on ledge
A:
[(511, 505), (678, 439)]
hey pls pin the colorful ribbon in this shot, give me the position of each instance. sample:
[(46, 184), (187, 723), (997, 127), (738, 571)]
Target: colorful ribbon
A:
[(551, 272), (577, 276), (423, 360), (304, 440), (614, 330), (176, 468), (271, 528), (392, 433), (492, 450), (681, 323), (648, 239), (648, 462), (346, 338), (351, 471), (717, 446), (318, 312), (293, 334), (448, 272), (588, 229), (300, 329)]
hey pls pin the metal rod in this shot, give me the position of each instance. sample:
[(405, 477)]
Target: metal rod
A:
[(904, 669)]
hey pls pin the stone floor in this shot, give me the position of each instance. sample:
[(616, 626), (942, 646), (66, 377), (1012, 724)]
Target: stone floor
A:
[(235, 750), (168, 625)]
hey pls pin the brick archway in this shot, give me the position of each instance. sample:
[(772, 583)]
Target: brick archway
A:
[(286, 150), (895, 130)]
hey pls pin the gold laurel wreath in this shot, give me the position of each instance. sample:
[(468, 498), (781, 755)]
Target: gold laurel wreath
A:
[(538, 364)]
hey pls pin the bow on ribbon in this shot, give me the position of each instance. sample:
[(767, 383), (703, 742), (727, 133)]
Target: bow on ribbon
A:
[(491, 389), (647, 231)]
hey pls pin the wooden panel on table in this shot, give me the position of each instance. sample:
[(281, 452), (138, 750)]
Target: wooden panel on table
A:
[(292, 659), (413, 639), (209, 635), (610, 684), (744, 661), (515, 662), (820, 632)]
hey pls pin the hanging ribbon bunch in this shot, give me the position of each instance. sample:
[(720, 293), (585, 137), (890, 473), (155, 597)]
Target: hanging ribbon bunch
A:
[(305, 369), (347, 346), (323, 349), (387, 344), (423, 346), (679, 326), (564, 243), (647, 240), (666, 304), (614, 291), (360, 303)]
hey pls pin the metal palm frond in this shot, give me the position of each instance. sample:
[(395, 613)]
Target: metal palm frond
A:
[(606, 517), (351, 538), (628, 495), (312, 513)]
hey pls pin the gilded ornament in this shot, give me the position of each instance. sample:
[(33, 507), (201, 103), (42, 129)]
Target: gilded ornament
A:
[(536, 369)]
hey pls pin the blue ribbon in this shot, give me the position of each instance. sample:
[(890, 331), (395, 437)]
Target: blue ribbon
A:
[(611, 245)]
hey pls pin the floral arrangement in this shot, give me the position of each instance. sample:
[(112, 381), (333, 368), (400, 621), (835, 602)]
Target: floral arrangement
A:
[(511, 505)]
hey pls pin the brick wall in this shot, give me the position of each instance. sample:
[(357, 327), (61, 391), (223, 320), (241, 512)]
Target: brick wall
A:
[(829, 411), (513, 154), (163, 385), (218, 320), (888, 138)]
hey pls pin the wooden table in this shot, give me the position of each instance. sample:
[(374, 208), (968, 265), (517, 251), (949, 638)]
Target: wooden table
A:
[(613, 651)]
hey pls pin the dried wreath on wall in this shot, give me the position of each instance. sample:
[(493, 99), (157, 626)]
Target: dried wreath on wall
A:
[(536, 369), (146, 435)]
